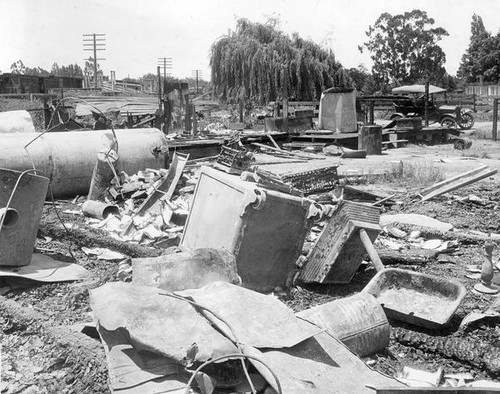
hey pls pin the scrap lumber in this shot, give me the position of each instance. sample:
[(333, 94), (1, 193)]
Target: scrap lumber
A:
[(456, 182)]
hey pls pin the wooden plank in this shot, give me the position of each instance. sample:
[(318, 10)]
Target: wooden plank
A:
[(453, 179), (301, 155), (457, 182)]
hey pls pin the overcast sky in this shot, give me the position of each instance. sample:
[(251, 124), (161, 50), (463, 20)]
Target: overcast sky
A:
[(138, 32)]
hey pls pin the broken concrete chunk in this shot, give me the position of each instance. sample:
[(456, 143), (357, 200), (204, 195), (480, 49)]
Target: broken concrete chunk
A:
[(186, 270)]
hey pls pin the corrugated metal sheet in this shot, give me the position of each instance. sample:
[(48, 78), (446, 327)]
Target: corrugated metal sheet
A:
[(136, 106)]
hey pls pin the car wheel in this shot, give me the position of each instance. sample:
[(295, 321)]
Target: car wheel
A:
[(449, 123), (466, 122)]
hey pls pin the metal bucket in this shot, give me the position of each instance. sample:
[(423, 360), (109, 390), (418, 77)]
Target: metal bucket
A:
[(358, 321), (19, 223)]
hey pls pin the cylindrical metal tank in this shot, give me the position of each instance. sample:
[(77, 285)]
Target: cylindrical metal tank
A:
[(358, 321), (18, 231), (68, 158)]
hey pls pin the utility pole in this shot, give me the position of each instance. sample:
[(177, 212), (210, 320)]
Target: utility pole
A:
[(94, 42), (196, 74), (165, 63)]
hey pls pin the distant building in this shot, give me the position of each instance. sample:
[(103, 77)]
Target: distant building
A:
[(21, 83)]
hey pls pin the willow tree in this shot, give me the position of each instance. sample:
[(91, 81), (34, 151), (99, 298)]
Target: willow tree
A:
[(255, 61)]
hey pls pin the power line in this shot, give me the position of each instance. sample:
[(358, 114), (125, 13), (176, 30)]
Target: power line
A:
[(196, 74), (94, 42), (165, 63)]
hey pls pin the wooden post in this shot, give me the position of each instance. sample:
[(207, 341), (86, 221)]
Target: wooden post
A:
[(188, 114), (426, 103), (159, 89), (371, 115), (495, 119), (195, 120)]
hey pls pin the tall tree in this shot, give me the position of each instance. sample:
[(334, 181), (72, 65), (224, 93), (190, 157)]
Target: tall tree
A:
[(17, 67), (483, 55), (404, 48), (257, 59)]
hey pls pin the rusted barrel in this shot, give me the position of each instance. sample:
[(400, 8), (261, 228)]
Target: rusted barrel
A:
[(358, 321), (21, 220)]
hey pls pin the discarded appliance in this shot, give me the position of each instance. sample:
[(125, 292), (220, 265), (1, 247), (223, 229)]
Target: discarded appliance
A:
[(264, 229), (22, 195), (358, 321), (337, 110), (68, 158), (338, 251), (189, 269), (16, 122)]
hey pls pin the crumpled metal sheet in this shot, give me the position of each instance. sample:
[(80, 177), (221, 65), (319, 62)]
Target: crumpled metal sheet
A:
[(136, 372), (161, 324), (46, 269), (259, 320), (319, 365)]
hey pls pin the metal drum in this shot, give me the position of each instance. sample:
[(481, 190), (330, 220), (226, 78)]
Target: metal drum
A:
[(358, 321), (19, 223)]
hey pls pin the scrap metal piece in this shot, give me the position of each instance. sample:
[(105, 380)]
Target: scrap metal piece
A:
[(23, 193), (234, 161)]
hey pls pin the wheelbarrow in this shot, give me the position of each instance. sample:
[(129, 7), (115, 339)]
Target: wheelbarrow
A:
[(412, 297)]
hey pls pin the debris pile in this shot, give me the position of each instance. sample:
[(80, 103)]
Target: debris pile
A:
[(228, 241), (142, 213)]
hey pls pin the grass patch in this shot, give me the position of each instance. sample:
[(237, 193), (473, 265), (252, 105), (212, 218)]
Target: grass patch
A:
[(483, 134), (413, 175)]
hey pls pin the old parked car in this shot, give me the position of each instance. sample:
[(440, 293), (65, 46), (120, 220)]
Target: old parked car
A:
[(413, 105)]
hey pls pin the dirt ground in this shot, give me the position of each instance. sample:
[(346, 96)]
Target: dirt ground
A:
[(42, 353)]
